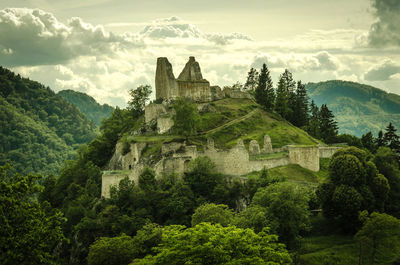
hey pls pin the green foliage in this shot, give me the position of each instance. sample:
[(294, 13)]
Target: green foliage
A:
[(185, 118), (30, 231), (286, 205), (38, 129), (214, 244), (328, 126), (87, 105), (112, 251), (358, 108), (214, 214), (139, 97), (379, 239), (354, 185), (264, 92), (387, 164), (252, 80)]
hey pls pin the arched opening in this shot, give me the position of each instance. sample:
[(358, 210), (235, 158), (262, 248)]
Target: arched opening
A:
[(130, 167)]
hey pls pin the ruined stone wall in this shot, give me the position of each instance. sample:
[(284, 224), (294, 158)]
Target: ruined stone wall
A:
[(239, 94), (232, 162), (198, 91), (166, 86), (307, 157), (152, 111), (327, 151), (270, 163), (126, 162), (164, 124)]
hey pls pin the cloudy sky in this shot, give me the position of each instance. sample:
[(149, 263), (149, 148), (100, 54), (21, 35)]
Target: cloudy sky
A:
[(106, 47)]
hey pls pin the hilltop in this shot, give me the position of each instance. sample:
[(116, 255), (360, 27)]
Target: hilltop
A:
[(87, 105), (358, 108), (39, 130)]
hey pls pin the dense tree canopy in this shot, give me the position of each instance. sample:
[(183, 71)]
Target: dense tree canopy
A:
[(213, 244), (29, 231)]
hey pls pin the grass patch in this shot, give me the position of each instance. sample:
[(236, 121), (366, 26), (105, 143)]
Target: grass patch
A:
[(152, 150), (117, 172), (154, 138), (332, 250), (295, 173), (254, 128), (269, 156)]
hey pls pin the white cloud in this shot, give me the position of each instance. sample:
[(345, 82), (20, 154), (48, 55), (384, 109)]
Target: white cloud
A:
[(85, 57), (382, 71), (35, 37)]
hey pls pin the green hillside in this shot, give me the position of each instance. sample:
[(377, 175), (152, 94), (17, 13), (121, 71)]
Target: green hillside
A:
[(87, 105), (358, 108), (38, 129), (228, 120)]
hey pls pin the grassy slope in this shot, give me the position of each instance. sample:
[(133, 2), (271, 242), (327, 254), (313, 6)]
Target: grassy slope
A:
[(228, 111), (253, 128)]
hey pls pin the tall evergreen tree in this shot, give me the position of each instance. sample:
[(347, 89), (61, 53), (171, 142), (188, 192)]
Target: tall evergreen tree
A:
[(368, 142), (301, 107), (328, 126), (379, 140), (291, 95), (391, 139), (282, 98), (313, 123), (264, 93), (252, 80)]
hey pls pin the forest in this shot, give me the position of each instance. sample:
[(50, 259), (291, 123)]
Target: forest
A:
[(202, 217)]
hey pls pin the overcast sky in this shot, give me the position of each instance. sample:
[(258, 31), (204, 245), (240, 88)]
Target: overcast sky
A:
[(104, 48)]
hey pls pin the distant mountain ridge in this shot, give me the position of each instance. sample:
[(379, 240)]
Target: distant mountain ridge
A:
[(358, 108), (87, 105), (39, 130)]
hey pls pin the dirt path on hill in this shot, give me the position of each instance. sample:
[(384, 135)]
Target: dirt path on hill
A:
[(237, 120)]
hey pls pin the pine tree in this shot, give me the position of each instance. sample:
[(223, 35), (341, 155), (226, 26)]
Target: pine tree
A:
[(301, 107), (281, 101), (291, 95), (368, 142), (328, 125), (313, 124), (264, 93), (380, 141), (391, 139), (252, 80)]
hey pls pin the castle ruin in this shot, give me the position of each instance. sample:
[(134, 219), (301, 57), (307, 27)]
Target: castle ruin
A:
[(189, 84), (175, 156)]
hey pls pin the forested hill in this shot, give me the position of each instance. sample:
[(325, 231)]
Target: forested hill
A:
[(87, 105), (358, 108), (39, 130)]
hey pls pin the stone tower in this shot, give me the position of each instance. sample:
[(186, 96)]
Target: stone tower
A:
[(166, 86), (190, 83)]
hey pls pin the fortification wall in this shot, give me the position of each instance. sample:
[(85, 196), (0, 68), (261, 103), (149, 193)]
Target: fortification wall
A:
[(164, 124), (126, 162), (198, 91), (232, 162), (327, 151), (239, 94), (307, 157), (270, 163), (152, 111)]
